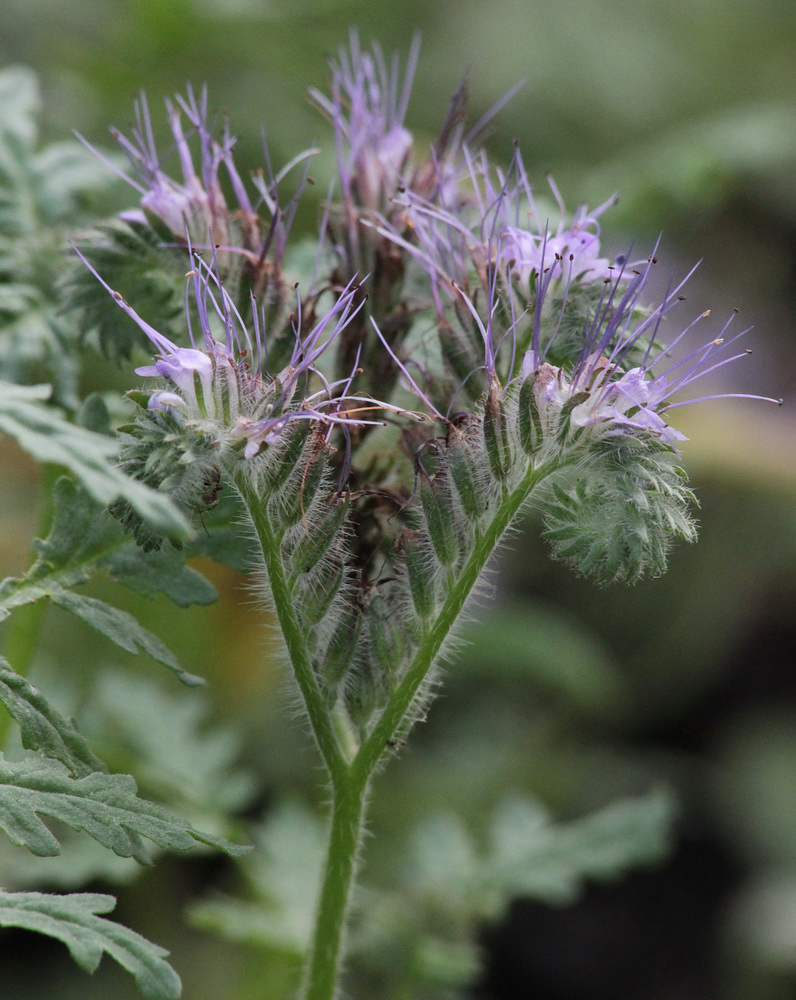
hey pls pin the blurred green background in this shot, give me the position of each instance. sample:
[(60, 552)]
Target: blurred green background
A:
[(574, 694)]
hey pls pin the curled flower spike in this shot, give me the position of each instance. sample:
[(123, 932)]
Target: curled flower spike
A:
[(607, 391), (193, 208), (367, 108), (222, 385)]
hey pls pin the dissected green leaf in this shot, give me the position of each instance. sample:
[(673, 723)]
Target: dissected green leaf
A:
[(423, 933), (42, 191), (285, 873), (132, 258), (44, 433), (544, 648), (120, 627), (67, 176), (532, 857), (83, 539), (105, 806), (82, 861), (164, 739), (80, 533), (73, 919), (162, 570), (42, 727)]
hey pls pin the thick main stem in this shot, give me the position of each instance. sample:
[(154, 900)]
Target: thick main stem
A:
[(323, 970)]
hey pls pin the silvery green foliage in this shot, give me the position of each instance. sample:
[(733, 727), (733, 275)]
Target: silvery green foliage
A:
[(44, 192), (419, 933)]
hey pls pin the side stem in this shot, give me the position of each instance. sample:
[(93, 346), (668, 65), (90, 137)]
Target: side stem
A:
[(400, 703), (321, 719), (350, 769)]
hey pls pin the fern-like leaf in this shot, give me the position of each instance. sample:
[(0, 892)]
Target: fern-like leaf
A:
[(105, 806), (43, 728), (74, 919), (44, 433)]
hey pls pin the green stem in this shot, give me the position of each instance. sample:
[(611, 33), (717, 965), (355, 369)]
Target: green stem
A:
[(345, 836), (350, 793), (321, 719)]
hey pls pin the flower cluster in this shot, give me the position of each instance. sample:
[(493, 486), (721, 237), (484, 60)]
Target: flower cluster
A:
[(225, 383), (367, 108), (460, 290)]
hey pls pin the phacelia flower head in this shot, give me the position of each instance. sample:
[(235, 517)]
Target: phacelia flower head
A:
[(221, 383), (367, 109), (195, 203), (624, 381), (248, 237), (540, 304), (497, 224)]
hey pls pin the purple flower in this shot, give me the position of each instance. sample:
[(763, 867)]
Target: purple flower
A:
[(367, 108), (184, 367), (194, 204), (224, 386), (573, 253), (193, 207), (498, 226), (601, 391)]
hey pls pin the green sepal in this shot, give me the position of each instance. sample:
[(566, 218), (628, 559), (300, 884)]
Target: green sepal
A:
[(421, 574), (463, 467), (565, 416), (529, 420), (439, 520), (139, 397), (315, 597), (300, 491), (318, 538), (365, 691), (496, 434), (618, 521), (342, 647), (284, 455), (387, 640), (460, 360)]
